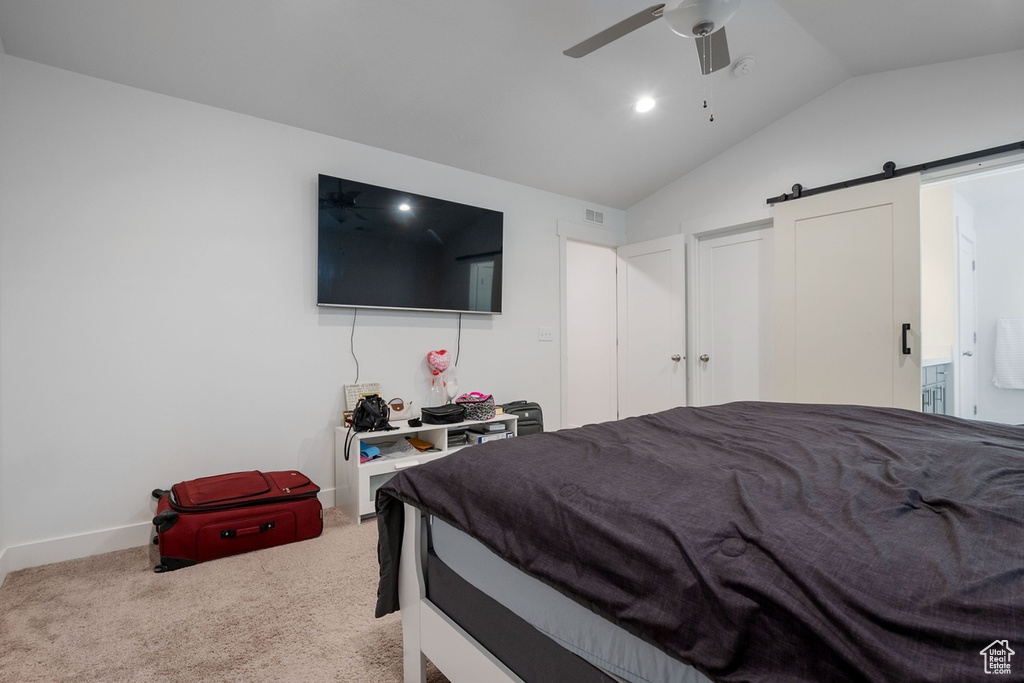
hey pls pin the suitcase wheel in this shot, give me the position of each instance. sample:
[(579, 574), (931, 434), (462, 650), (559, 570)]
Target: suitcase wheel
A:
[(170, 564), (159, 493), (165, 520)]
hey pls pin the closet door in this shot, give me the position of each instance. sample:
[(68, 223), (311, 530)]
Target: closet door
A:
[(651, 324), (734, 317), (848, 279)]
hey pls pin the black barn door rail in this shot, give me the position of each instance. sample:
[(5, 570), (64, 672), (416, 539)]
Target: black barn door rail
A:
[(889, 170)]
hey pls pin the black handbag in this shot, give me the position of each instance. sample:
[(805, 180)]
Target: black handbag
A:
[(371, 414), (450, 413)]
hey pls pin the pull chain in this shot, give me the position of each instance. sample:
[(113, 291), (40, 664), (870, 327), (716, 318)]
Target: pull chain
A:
[(704, 48), (709, 84)]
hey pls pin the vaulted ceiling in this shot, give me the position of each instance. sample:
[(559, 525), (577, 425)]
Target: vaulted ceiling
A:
[(484, 86)]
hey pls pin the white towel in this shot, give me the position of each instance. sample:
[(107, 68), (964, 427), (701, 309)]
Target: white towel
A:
[(1009, 353)]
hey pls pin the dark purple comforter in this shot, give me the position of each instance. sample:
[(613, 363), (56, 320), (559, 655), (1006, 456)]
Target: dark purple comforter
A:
[(759, 541)]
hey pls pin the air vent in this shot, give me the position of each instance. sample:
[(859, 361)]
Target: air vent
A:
[(595, 217)]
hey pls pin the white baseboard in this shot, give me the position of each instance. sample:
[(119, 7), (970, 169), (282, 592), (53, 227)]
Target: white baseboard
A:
[(3, 565), (13, 558), (72, 547)]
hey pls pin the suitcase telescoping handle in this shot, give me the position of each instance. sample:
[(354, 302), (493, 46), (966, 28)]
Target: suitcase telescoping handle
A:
[(246, 531), (160, 493)]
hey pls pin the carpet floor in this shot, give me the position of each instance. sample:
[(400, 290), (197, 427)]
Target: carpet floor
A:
[(300, 612)]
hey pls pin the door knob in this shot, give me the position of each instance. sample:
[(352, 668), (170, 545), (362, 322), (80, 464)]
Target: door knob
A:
[(968, 353), (676, 357), (704, 358)]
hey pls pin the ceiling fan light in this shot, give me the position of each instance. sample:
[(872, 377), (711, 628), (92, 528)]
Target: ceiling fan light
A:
[(692, 18), (644, 104)]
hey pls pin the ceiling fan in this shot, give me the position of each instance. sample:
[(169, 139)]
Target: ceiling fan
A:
[(703, 20)]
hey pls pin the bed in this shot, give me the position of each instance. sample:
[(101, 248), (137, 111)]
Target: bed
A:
[(745, 542)]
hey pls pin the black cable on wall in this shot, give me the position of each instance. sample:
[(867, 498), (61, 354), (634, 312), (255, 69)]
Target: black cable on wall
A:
[(458, 342), (352, 344)]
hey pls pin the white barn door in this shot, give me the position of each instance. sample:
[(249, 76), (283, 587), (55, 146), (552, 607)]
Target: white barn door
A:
[(651, 324), (848, 278)]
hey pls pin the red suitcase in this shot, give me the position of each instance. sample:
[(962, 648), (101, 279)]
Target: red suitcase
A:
[(228, 514)]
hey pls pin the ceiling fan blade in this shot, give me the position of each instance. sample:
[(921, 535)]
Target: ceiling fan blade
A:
[(615, 32), (713, 51)]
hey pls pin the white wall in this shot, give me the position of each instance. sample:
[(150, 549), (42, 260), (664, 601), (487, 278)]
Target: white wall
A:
[(938, 270), (3, 479), (157, 303), (1000, 282), (910, 116)]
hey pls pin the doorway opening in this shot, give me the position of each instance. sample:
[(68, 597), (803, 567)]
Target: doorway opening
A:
[(971, 241), (623, 325)]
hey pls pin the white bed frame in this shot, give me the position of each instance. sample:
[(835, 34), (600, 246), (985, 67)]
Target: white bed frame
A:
[(427, 631)]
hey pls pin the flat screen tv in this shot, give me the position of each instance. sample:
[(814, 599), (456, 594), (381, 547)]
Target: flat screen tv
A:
[(384, 248)]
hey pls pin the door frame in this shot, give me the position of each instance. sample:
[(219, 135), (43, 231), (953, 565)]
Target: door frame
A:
[(964, 233), (577, 232)]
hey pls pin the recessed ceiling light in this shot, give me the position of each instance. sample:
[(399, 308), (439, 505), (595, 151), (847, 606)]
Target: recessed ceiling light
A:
[(644, 104), (404, 206)]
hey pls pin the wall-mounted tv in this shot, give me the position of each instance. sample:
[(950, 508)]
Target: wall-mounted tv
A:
[(384, 248)]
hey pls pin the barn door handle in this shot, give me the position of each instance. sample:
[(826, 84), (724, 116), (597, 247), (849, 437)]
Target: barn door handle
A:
[(906, 347)]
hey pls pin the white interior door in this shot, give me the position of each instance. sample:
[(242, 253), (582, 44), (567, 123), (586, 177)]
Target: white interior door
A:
[(590, 357), (848, 278), (734, 300), (965, 384), (651, 315)]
